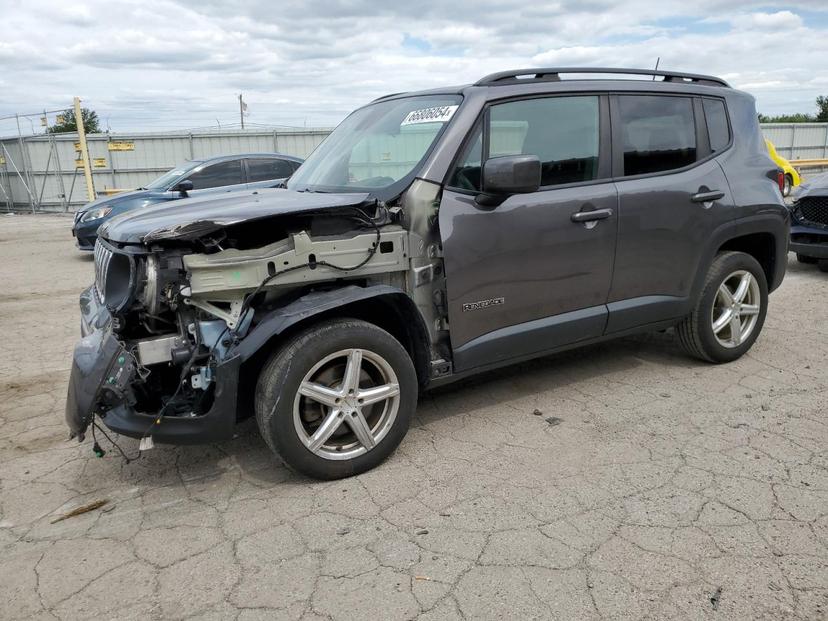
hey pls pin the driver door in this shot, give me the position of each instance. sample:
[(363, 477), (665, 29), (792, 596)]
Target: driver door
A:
[(533, 273)]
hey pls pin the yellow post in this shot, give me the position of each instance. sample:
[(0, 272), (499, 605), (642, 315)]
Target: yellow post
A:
[(87, 170)]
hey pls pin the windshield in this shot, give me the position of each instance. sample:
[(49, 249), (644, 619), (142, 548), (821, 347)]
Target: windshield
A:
[(376, 146), (168, 177)]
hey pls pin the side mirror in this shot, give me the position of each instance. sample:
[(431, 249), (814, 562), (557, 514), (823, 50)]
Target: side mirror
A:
[(183, 187), (507, 175)]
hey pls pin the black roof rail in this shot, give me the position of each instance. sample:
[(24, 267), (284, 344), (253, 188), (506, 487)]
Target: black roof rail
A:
[(389, 96), (552, 74)]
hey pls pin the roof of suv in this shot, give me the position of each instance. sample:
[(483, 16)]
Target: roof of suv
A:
[(237, 156), (551, 76)]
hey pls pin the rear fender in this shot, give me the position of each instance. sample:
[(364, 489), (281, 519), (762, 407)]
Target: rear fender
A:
[(773, 221)]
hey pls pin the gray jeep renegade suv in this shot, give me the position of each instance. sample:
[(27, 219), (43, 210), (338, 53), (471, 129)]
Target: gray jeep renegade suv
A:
[(431, 236)]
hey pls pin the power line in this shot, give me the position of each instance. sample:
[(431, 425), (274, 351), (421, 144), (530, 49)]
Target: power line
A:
[(33, 114)]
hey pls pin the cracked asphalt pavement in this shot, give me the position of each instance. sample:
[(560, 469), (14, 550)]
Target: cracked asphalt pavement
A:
[(618, 481)]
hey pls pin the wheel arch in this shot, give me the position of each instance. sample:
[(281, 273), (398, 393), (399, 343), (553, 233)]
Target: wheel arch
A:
[(761, 246), (385, 306), (764, 236)]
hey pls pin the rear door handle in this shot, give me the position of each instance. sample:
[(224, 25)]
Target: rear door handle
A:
[(591, 216), (707, 197)]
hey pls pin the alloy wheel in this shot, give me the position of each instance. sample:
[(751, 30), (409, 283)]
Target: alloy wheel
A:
[(736, 309), (346, 404)]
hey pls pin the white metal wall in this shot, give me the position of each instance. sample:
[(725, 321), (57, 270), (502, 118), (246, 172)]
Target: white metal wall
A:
[(798, 141), (152, 155)]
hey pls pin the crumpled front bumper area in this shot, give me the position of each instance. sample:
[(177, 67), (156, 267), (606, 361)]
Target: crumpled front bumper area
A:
[(104, 372)]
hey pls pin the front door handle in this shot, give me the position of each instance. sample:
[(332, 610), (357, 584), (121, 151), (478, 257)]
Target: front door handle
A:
[(707, 197), (591, 216)]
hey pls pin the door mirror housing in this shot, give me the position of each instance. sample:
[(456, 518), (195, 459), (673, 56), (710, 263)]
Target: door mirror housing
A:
[(507, 175), (183, 187)]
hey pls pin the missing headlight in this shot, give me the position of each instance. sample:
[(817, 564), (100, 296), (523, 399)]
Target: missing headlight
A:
[(118, 281)]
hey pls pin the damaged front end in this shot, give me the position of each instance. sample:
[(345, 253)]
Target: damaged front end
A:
[(172, 319)]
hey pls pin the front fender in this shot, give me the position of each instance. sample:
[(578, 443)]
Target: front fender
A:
[(310, 305)]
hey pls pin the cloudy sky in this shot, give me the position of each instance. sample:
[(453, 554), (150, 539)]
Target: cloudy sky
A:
[(167, 64)]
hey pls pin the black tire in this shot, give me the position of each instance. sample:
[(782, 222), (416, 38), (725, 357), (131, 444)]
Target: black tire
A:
[(279, 382), (822, 265), (801, 258), (787, 185), (695, 332)]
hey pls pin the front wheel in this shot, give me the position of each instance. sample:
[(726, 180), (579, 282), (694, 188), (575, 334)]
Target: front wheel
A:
[(336, 399), (730, 311)]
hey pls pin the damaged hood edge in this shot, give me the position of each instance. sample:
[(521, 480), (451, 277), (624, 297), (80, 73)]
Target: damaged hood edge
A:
[(194, 217), (815, 186), (187, 230)]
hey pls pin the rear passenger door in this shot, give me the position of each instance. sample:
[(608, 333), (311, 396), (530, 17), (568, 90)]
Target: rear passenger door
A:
[(224, 176), (533, 273), (265, 172), (672, 196)]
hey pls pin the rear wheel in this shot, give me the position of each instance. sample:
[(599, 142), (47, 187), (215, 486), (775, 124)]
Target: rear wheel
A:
[(822, 265), (336, 399), (730, 311)]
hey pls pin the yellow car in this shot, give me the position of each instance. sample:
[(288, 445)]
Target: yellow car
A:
[(792, 178)]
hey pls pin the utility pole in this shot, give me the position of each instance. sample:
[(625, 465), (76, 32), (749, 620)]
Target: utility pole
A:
[(242, 108), (87, 170)]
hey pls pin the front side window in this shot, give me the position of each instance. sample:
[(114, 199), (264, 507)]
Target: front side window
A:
[(562, 131), (168, 178), (269, 169), (376, 146), (217, 175), (717, 127), (658, 133)]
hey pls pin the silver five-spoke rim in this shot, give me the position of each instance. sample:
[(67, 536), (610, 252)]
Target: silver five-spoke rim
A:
[(736, 309), (346, 404)]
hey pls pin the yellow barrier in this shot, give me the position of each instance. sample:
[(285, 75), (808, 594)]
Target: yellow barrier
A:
[(111, 191), (813, 163)]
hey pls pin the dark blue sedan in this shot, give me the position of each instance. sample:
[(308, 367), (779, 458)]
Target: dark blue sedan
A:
[(196, 178)]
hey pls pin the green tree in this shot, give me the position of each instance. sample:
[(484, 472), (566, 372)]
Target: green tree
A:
[(69, 124), (798, 117), (822, 109)]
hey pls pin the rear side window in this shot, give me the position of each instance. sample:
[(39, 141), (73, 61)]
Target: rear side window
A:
[(217, 175), (717, 127), (562, 131), (267, 169), (658, 133)]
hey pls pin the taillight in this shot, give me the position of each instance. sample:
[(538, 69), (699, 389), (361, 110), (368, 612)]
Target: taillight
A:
[(780, 180)]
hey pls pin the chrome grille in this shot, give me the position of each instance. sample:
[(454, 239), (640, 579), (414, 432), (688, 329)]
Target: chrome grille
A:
[(103, 257), (813, 209)]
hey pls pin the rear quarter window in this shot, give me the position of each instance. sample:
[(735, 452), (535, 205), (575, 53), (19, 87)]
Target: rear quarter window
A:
[(717, 127)]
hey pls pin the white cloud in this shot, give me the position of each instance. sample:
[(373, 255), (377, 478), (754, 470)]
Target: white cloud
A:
[(779, 21), (164, 64)]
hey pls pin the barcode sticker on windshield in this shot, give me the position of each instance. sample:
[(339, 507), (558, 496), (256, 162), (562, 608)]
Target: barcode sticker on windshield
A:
[(438, 114)]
